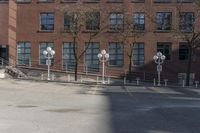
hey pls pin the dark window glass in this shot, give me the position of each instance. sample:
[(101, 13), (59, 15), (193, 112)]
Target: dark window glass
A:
[(139, 21), (23, 53), (162, 1), (138, 54), (186, 21), (185, 1), (163, 21), (116, 21), (91, 58), (138, 1), (92, 20), (69, 21), (21, 0), (47, 21), (183, 51), (68, 56), (116, 57), (165, 49)]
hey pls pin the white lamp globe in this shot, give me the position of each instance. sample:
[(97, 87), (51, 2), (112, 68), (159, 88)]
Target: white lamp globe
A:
[(155, 57), (163, 57), (99, 56), (45, 52), (103, 51), (106, 56), (52, 52), (159, 54), (49, 49)]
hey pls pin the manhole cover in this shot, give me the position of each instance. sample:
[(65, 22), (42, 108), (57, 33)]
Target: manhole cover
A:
[(63, 110), (26, 106)]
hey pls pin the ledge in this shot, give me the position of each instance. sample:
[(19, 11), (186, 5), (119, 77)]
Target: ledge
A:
[(162, 31), (68, 1), (45, 31)]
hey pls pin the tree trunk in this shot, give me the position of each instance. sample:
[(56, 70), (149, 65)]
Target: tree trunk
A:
[(130, 69), (189, 67), (76, 71)]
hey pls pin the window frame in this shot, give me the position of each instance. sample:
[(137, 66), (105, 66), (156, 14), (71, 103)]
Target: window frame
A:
[(24, 52), (71, 65), (120, 27), (138, 21), (47, 13), (164, 17), (116, 53), (138, 54)]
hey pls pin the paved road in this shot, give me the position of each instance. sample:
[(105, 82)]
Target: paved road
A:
[(32, 107)]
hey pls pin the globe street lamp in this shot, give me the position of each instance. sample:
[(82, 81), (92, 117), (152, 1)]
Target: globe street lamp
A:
[(159, 59), (103, 57), (48, 54)]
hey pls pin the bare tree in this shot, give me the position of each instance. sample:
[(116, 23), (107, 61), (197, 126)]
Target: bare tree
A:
[(188, 32), (78, 20), (185, 29)]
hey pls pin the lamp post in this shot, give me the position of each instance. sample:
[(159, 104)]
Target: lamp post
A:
[(48, 54), (159, 59), (103, 57)]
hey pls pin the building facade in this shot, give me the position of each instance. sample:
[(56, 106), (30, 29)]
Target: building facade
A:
[(123, 27)]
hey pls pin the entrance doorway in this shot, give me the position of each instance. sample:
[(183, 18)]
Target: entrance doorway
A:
[(3, 54)]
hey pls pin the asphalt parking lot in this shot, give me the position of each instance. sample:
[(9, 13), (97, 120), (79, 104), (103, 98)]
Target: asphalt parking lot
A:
[(39, 107)]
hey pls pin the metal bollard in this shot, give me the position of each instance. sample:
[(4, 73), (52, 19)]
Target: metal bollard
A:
[(68, 77), (81, 78), (125, 80), (183, 83), (108, 80), (52, 76), (2, 62), (42, 76), (165, 80), (154, 82), (97, 79), (196, 83), (138, 81)]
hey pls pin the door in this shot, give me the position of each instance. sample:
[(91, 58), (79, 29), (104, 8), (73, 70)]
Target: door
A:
[(3, 54)]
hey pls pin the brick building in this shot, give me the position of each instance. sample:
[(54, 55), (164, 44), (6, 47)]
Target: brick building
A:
[(29, 26)]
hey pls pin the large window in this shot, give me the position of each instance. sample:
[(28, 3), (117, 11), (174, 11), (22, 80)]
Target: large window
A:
[(139, 21), (92, 20), (116, 54), (116, 21), (69, 21), (163, 20), (183, 51), (91, 58), (138, 54), (43, 46), (165, 49), (47, 21), (68, 56), (186, 23), (23, 53)]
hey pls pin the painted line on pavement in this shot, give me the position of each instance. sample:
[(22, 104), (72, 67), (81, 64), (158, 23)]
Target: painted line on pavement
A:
[(94, 90), (158, 90), (127, 90)]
